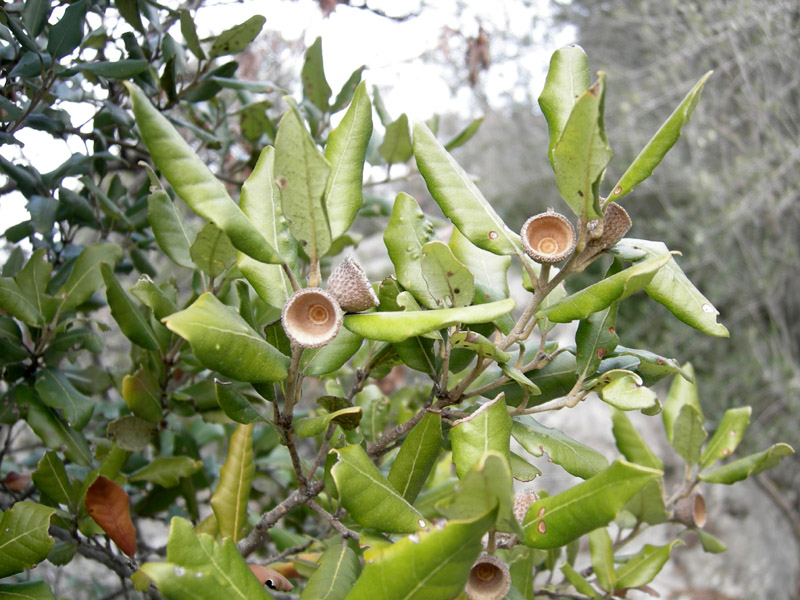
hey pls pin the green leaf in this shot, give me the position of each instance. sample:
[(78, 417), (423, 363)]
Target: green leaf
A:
[(50, 478), (24, 538), (85, 277), (652, 367), (625, 390), (311, 426), (154, 297), (229, 501), (168, 227), (346, 150), (368, 497), (459, 198), (56, 391), (399, 326), (649, 505), (31, 590), (120, 69), (749, 465), (131, 433), (522, 470), (711, 544), (224, 342), (129, 10), (18, 304), (727, 436), (193, 181), (332, 356), (338, 570), (235, 405), (486, 429), (67, 33), (556, 520), (489, 270), (672, 288), (32, 281), (128, 315), (430, 565), (602, 294), (408, 230), (417, 456), (567, 79), (481, 346), (578, 582), (688, 434), (642, 567), (142, 393), (574, 457), (236, 39), (642, 166), (34, 15), (602, 553), (463, 136), (681, 392), (166, 471), (189, 33), (449, 282), (302, 173), (212, 251), (396, 146), (631, 444), (54, 432), (197, 568), (595, 339), (315, 87)]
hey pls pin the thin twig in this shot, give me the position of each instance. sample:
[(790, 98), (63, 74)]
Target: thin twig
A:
[(335, 523)]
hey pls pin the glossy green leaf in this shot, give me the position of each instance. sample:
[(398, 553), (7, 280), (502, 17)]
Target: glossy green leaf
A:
[(236, 39), (311, 426), (449, 282), (332, 356), (417, 456), (50, 478), (346, 150), (212, 251), (399, 326), (602, 294), (235, 405), (574, 457), (132, 322), (489, 270), (129, 10), (24, 537), (430, 565), (463, 136), (624, 390), (131, 433), (338, 570), (153, 296), (54, 432), (688, 434), (642, 567), (711, 544), (368, 496), (189, 33), (56, 391), (631, 444), (672, 288), (567, 79), (652, 367), (522, 470), (229, 501), (681, 392), (197, 567), (34, 15), (302, 174), (649, 504), (67, 33), (727, 436), (315, 87), (119, 69), (85, 277), (749, 465), (142, 394), (480, 345), (595, 339), (670, 131), (32, 281), (556, 520), (224, 342), (602, 553), (166, 471), (408, 230), (169, 229), (486, 429), (192, 180), (31, 590), (518, 376), (578, 582), (396, 146), (459, 198)]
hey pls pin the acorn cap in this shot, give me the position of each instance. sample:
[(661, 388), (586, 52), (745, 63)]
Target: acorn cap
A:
[(349, 285), (615, 225), (311, 317), (522, 501), (548, 237), (489, 579), (691, 511)]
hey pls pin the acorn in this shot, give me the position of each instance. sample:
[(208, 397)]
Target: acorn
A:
[(311, 317), (691, 511), (613, 227), (522, 502), (548, 237), (489, 579), (349, 285)]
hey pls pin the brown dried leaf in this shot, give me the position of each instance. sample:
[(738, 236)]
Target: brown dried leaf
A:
[(108, 504), (270, 578), (16, 481)]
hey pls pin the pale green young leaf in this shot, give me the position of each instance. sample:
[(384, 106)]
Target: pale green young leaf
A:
[(132, 322), (624, 390), (417, 456), (489, 270), (166, 471), (142, 394), (688, 434), (338, 570), (602, 553), (578, 582), (448, 280), (169, 229), (463, 136), (711, 544), (642, 568), (331, 356), (212, 251), (311, 426), (749, 465), (154, 297), (396, 146), (85, 277), (681, 392), (229, 501), (727, 436), (631, 444), (595, 339), (24, 537), (487, 429), (315, 87)]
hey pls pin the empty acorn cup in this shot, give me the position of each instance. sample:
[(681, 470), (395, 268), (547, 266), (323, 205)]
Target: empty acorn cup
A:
[(311, 317), (611, 229), (349, 285), (489, 579), (691, 511), (548, 237)]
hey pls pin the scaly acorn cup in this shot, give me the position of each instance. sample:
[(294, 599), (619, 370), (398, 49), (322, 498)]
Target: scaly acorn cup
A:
[(312, 317), (349, 285), (548, 237), (522, 502), (691, 511), (611, 229), (489, 579)]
